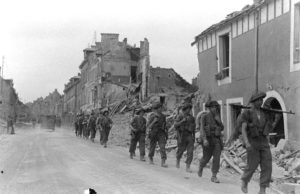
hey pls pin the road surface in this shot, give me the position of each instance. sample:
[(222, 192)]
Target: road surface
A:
[(42, 161)]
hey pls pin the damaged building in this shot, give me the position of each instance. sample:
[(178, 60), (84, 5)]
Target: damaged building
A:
[(47, 105), (256, 48), (110, 69), (113, 71), (8, 99), (168, 87), (71, 100)]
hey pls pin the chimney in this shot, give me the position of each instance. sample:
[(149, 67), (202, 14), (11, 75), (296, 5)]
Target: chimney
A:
[(108, 37), (125, 40), (109, 40), (256, 1)]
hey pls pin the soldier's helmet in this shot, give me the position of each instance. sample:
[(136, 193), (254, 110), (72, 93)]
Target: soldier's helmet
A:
[(212, 103), (139, 110), (257, 95), (156, 105), (186, 106)]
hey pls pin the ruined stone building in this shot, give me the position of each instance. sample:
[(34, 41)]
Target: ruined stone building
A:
[(110, 68), (71, 99), (256, 48), (9, 99), (167, 86), (47, 105)]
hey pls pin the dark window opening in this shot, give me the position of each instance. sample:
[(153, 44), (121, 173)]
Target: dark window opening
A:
[(133, 74), (224, 54), (278, 131), (162, 99)]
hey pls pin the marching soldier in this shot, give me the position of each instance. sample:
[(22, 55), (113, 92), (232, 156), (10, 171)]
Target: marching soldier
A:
[(106, 124), (92, 126), (76, 124), (255, 130), (80, 124), (85, 127), (210, 129), (98, 126), (158, 133), (138, 134), (185, 126), (10, 124)]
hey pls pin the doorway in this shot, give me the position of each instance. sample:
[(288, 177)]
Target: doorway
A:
[(278, 131), (133, 75)]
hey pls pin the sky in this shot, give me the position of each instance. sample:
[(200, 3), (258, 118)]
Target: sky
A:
[(42, 41)]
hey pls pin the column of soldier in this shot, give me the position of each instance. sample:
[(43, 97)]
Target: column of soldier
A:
[(86, 126), (254, 131)]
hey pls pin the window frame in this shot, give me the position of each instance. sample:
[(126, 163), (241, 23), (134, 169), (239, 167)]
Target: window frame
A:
[(229, 123), (293, 67), (220, 33)]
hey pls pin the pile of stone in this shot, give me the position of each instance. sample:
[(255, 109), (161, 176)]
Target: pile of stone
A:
[(235, 156)]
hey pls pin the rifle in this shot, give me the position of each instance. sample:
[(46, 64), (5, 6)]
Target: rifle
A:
[(264, 109)]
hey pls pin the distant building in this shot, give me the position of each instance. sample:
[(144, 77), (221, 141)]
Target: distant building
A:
[(256, 48), (9, 98), (47, 105), (71, 99), (195, 82), (112, 63), (168, 86)]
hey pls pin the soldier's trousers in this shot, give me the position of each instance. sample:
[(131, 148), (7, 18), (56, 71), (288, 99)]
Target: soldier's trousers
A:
[(159, 138), (104, 135), (259, 154), (80, 130), (212, 150), (10, 131), (93, 132), (76, 130), (186, 143), (138, 137), (86, 132)]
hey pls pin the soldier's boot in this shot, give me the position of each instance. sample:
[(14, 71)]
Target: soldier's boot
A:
[(131, 155), (142, 158), (177, 163), (262, 190), (244, 187), (93, 140), (214, 179), (200, 171), (151, 160), (188, 168), (163, 163), (105, 144)]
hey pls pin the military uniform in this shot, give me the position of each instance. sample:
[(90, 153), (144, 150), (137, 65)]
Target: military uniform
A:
[(98, 126), (158, 134), (76, 125), (211, 131), (80, 125), (10, 124), (92, 126), (185, 126), (85, 129), (257, 130), (138, 134), (106, 123)]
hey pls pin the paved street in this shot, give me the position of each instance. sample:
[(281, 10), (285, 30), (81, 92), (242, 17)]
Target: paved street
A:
[(41, 161)]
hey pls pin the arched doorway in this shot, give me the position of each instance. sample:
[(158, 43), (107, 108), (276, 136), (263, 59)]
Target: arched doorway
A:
[(275, 101)]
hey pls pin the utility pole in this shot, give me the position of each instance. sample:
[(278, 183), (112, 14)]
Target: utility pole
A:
[(1, 72), (256, 48)]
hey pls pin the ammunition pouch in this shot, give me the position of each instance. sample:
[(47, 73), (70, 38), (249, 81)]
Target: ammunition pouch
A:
[(152, 133)]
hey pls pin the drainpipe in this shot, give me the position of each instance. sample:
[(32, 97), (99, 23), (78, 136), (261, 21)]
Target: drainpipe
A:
[(256, 47)]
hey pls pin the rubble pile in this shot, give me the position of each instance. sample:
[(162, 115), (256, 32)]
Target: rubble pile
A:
[(235, 156), (120, 133)]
